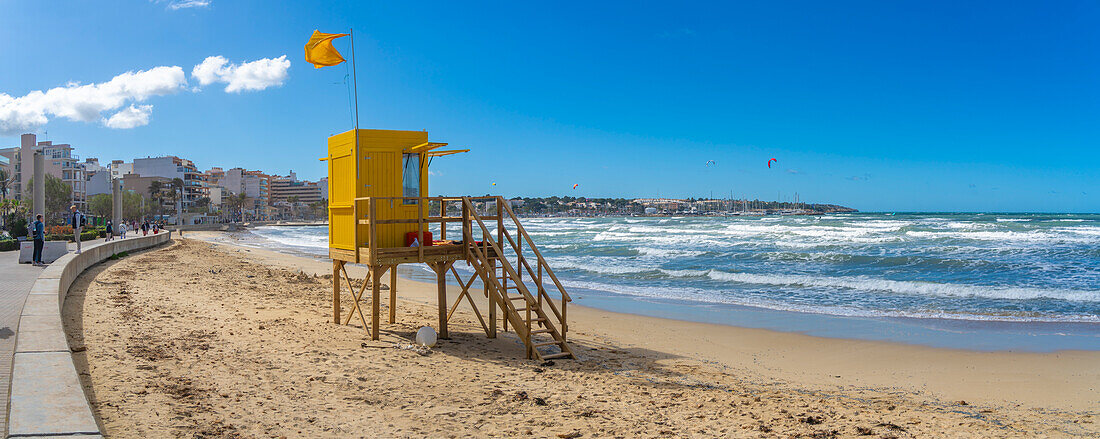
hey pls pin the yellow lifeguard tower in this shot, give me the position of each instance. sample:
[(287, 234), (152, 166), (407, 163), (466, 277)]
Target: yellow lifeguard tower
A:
[(380, 216)]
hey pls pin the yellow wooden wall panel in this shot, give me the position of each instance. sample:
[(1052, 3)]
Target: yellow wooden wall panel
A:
[(379, 158)]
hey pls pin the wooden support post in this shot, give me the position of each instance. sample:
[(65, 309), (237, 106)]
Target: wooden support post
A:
[(336, 265), (492, 303), (467, 231), (442, 224), (420, 232), (441, 285), (375, 277), (503, 262), (372, 234), (393, 294)]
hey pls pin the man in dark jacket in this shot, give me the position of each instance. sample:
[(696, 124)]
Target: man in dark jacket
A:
[(39, 234), (78, 226)]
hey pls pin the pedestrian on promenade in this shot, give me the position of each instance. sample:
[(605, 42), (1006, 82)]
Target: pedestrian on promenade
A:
[(110, 231), (145, 228), (39, 235), (78, 225)]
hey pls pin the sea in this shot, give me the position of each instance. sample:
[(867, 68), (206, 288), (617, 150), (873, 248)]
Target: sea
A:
[(984, 281)]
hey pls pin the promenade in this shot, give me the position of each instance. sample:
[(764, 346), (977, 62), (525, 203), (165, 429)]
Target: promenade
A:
[(17, 281)]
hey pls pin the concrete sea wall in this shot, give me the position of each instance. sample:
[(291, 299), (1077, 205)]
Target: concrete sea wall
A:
[(46, 396)]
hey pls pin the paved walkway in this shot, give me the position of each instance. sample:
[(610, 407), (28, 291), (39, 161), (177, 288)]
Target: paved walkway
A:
[(15, 283)]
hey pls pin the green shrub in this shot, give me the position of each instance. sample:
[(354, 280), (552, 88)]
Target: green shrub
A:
[(19, 227), (84, 236), (9, 245)]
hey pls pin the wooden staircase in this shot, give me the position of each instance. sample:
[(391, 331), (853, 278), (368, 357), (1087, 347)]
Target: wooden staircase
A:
[(500, 259)]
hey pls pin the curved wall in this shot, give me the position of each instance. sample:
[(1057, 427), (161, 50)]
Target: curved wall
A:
[(46, 396)]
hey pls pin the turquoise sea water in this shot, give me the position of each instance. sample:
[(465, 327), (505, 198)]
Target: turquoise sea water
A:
[(1030, 280)]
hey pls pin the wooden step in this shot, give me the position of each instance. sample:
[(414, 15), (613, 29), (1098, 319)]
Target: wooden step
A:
[(517, 298), (557, 355), (541, 331), (547, 343), (540, 319)]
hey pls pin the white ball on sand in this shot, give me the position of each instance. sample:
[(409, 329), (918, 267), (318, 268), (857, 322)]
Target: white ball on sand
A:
[(426, 336)]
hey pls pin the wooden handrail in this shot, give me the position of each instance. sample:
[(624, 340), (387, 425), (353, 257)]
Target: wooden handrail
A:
[(538, 254), (468, 217), (531, 271), (528, 297), (483, 257)]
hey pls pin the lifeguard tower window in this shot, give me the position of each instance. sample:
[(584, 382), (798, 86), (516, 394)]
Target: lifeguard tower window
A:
[(410, 178)]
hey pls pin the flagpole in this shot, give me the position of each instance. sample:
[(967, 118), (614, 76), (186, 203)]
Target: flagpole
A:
[(354, 82), (355, 87)]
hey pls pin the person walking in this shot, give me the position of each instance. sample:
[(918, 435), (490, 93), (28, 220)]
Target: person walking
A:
[(122, 230), (110, 232), (78, 225), (39, 235), (145, 228)]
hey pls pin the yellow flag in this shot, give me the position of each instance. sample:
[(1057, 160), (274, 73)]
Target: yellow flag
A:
[(319, 50)]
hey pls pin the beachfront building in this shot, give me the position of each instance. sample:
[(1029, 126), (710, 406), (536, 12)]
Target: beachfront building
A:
[(254, 185), (283, 188), (322, 185), (209, 185), (216, 195), (119, 168), (142, 185), (97, 178), (60, 162), (171, 168), (661, 204), (290, 196)]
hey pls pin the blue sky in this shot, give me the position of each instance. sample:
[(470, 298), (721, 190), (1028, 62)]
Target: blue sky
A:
[(897, 106)]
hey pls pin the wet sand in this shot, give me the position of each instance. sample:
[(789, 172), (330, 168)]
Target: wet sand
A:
[(220, 341)]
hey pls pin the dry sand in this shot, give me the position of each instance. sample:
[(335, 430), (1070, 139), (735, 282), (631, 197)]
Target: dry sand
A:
[(204, 340)]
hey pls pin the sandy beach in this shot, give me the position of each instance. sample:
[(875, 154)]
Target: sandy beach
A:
[(202, 339)]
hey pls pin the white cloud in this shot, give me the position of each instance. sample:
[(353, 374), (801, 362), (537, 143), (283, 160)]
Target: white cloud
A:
[(207, 72), (176, 5), (130, 117), (249, 76), (87, 103)]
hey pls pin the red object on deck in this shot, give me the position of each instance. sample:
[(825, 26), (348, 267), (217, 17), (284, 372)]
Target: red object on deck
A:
[(411, 236)]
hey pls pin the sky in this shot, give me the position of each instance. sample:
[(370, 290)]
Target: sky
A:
[(881, 106)]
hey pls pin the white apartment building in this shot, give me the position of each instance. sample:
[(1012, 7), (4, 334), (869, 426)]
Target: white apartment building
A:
[(283, 188), (97, 178), (119, 168), (60, 162)]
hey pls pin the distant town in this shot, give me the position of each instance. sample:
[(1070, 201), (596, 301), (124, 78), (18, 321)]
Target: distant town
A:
[(168, 188), (174, 190), (574, 206)]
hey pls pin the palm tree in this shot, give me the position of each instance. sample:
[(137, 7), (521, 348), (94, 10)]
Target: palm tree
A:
[(156, 194), (5, 180), (236, 204), (202, 204), (177, 197)]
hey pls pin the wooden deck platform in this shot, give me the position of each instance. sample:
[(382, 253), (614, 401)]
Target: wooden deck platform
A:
[(516, 279)]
